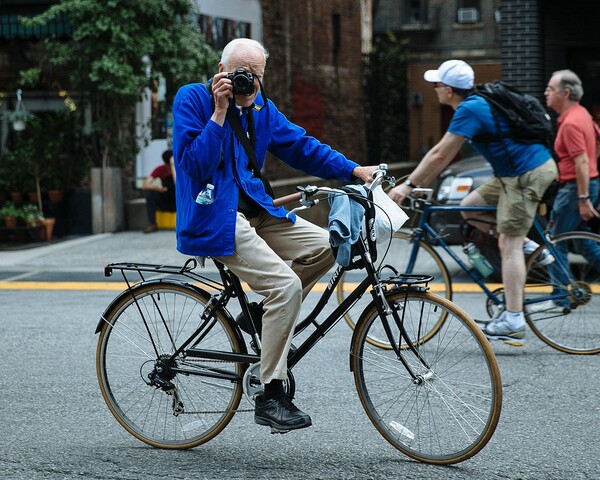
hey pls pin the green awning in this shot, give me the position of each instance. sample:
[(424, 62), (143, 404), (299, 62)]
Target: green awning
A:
[(11, 28)]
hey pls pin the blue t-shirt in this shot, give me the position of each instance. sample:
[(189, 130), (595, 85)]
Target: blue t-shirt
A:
[(508, 158)]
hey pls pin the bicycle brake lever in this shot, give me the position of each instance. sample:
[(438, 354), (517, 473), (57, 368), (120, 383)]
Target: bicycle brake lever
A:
[(306, 204)]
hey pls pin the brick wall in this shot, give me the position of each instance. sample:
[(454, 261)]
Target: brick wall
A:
[(313, 76), (522, 46)]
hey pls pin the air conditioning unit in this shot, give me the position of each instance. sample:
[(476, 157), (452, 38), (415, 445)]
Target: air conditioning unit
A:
[(468, 15)]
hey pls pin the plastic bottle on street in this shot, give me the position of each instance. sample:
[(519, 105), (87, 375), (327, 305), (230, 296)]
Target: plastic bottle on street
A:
[(478, 260), (206, 196)]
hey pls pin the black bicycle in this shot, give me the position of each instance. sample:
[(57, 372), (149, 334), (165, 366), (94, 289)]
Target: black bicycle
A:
[(173, 364)]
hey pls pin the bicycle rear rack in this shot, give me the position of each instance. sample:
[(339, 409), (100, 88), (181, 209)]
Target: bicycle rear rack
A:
[(187, 270), (406, 281)]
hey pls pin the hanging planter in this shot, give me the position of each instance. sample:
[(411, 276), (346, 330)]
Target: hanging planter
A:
[(19, 116)]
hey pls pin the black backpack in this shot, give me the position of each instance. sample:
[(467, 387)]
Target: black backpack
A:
[(527, 118)]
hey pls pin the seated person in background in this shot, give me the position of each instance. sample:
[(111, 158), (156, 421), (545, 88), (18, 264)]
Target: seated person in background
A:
[(159, 190)]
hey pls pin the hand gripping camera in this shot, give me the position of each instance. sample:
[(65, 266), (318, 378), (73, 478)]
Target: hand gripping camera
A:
[(243, 81)]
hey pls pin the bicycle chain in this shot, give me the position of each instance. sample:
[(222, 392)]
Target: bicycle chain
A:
[(210, 412)]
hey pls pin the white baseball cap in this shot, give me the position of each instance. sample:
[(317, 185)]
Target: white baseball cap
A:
[(454, 73)]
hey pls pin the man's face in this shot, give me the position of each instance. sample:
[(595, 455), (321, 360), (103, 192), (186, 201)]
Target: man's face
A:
[(253, 61), (443, 92), (555, 96)]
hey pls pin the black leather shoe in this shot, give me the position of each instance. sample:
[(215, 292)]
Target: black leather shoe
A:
[(280, 414), (257, 312)]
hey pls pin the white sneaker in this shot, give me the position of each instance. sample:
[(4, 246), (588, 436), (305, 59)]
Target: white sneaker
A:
[(499, 329), (545, 258), (549, 306)]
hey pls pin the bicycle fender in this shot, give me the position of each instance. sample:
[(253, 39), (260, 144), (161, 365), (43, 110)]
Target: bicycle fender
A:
[(131, 292)]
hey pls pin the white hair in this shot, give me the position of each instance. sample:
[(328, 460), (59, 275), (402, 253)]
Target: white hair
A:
[(570, 80), (240, 44)]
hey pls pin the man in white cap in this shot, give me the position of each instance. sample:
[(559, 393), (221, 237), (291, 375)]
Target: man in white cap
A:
[(523, 172)]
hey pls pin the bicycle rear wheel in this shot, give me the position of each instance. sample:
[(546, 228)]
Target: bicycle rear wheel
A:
[(146, 390), (450, 410), (428, 262), (566, 316)]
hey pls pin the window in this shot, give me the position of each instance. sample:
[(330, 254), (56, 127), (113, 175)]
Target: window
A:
[(219, 31), (415, 11), (468, 11)]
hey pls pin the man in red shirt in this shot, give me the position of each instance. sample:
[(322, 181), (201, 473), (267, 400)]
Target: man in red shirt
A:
[(575, 146), (159, 190)]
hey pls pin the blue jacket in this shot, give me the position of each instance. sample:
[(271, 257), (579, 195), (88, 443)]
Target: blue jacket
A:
[(205, 152)]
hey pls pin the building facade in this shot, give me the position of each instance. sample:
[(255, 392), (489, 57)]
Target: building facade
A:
[(519, 41)]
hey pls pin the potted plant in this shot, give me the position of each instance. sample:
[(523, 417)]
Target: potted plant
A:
[(54, 178), (18, 118), (11, 214), (34, 217)]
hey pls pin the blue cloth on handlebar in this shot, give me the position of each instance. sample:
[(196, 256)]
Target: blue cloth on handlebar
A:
[(345, 221)]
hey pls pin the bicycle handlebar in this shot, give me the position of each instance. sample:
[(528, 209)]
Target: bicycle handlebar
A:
[(418, 197), (304, 194)]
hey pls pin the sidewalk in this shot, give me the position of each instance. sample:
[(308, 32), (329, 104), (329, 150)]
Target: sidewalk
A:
[(92, 253)]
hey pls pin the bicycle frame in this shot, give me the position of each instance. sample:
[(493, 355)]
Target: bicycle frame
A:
[(231, 287), (425, 229), (321, 329)]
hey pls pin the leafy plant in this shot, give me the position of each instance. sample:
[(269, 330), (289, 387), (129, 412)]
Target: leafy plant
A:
[(386, 89), (9, 209), (32, 214), (115, 44), (16, 115)]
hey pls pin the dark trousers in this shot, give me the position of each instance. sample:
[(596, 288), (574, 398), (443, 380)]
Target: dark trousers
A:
[(164, 202)]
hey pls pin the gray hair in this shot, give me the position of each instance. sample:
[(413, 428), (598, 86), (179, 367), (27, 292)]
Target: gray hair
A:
[(241, 44), (570, 80)]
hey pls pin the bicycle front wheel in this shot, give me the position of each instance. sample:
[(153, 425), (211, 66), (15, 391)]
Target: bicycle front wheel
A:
[(167, 402), (566, 292), (446, 408), (427, 262)]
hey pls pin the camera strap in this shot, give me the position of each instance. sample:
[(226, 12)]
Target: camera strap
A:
[(247, 141)]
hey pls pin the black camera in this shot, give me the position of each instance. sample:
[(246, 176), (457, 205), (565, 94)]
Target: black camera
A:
[(243, 81)]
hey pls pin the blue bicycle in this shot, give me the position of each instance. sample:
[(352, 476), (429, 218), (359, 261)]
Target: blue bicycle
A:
[(562, 299)]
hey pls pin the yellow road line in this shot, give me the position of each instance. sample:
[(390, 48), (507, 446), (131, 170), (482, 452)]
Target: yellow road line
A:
[(119, 286), (318, 288)]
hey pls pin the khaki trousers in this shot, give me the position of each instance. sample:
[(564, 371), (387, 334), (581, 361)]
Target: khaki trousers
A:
[(262, 247)]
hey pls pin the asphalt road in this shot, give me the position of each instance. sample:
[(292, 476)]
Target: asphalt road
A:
[(54, 423)]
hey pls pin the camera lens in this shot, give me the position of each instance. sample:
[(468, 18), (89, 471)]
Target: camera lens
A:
[(240, 82), (243, 82)]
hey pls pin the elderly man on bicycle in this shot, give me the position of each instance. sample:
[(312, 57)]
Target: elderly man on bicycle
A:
[(239, 225), (517, 189)]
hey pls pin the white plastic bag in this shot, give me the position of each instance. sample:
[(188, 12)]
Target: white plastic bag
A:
[(389, 217)]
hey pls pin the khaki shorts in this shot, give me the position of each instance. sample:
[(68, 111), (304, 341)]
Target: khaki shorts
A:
[(518, 197)]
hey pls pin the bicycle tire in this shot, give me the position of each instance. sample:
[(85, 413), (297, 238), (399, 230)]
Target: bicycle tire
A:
[(575, 329), (428, 261), (125, 356), (453, 412)]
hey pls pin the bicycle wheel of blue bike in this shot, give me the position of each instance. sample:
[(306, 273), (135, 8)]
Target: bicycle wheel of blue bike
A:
[(155, 391), (427, 261), (440, 402), (562, 299)]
